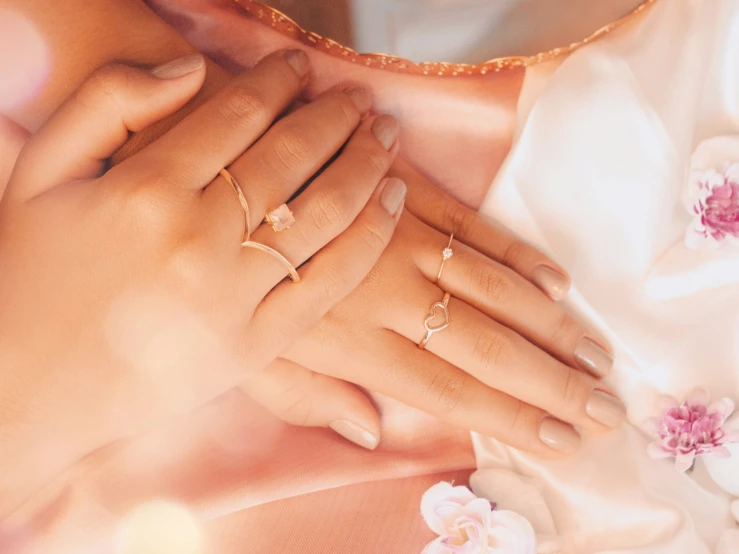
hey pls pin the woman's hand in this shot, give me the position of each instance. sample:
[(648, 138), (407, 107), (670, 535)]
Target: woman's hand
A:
[(513, 364), (126, 296)]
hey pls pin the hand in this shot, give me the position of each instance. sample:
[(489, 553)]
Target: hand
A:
[(126, 296), (513, 364)]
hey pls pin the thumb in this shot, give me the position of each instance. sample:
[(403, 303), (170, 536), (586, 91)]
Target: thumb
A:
[(301, 397), (96, 120)]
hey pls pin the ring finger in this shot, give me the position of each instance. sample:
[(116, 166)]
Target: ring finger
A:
[(504, 360)]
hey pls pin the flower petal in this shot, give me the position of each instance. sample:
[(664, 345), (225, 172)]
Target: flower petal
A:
[(657, 451), (684, 462), (721, 452), (442, 503)]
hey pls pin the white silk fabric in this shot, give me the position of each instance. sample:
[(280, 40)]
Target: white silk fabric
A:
[(595, 177)]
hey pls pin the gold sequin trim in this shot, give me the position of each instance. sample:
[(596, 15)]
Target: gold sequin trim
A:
[(282, 23)]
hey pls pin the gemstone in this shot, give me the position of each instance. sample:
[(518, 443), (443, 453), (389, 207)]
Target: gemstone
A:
[(280, 218), (448, 253)]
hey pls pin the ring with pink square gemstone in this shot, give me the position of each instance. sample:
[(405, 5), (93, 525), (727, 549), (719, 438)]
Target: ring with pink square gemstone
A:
[(280, 218)]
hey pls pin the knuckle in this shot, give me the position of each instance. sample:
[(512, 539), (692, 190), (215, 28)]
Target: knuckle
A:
[(572, 390), (372, 162), (327, 210), (514, 254), (244, 106), (459, 219), (347, 110), (333, 285), (291, 152), (186, 267), (492, 349), (99, 91), (565, 329), (376, 236), (446, 391), (489, 284)]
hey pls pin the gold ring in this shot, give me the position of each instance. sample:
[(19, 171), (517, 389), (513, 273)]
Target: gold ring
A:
[(271, 251), (445, 255), (242, 200), (431, 329), (280, 218)]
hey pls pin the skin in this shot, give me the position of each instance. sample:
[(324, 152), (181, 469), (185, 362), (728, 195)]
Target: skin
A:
[(505, 364), (184, 313)]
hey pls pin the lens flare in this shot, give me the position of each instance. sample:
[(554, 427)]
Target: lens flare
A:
[(160, 527), (24, 60)]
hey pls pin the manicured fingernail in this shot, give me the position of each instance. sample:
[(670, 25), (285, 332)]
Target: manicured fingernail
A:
[(606, 409), (298, 60), (559, 436), (385, 128), (553, 283), (178, 68), (393, 195), (361, 97), (355, 433), (592, 358)]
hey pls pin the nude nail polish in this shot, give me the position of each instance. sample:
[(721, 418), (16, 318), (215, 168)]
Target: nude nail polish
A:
[(178, 68), (393, 195), (355, 433), (592, 358), (298, 60), (385, 128), (361, 97), (554, 284), (559, 436), (606, 409)]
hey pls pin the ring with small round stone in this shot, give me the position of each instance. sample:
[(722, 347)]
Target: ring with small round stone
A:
[(445, 255)]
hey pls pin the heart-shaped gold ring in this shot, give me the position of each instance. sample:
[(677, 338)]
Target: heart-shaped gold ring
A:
[(437, 309)]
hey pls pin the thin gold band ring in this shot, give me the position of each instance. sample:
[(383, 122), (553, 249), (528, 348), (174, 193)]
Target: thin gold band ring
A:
[(242, 200), (272, 252)]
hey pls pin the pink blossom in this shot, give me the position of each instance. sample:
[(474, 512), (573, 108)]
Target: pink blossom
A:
[(691, 429), (467, 524), (714, 204)]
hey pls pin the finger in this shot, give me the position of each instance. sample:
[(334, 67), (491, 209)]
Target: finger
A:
[(331, 202), (506, 361), (331, 275), (193, 152), (390, 365), (12, 139), (508, 298), (439, 210), (301, 397), (96, 120), (286, 157)]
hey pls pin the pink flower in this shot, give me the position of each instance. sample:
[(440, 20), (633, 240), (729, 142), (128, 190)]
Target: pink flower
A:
[(691, 429), (714, 204), (467, 524)]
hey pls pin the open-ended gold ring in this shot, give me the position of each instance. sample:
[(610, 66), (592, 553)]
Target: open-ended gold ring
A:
[(436, 309), (272, 252), (242, 200)]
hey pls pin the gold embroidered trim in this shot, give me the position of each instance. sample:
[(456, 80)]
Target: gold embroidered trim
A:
[(282, 23)]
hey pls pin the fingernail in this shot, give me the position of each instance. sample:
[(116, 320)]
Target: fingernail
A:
[(355, 433), (178, 68), (553, 283), (592, 358), (298, 60), (606, 409), (361, 97), (559, 436), (385, 128), (393, 195)]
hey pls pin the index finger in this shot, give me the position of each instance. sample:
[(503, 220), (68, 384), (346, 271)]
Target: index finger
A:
[(216, 133)]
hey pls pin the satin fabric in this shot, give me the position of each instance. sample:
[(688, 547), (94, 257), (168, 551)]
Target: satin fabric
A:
[(596, 177)]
